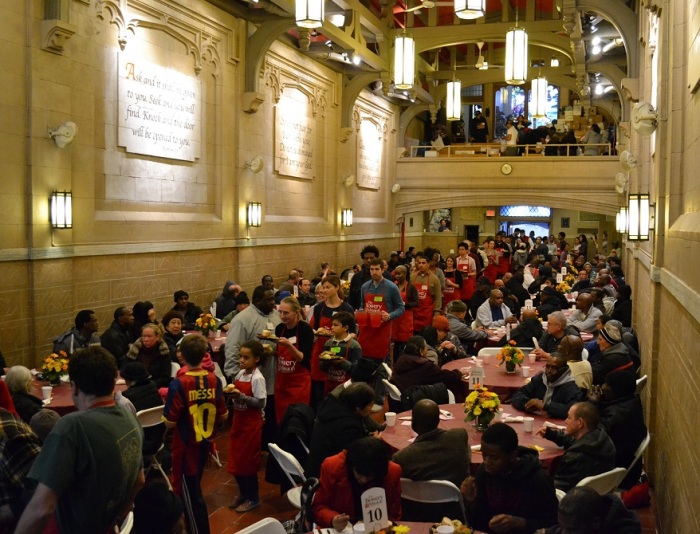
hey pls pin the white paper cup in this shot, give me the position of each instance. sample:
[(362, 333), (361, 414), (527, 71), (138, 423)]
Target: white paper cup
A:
[(46, 391), (390, 418), (532, 358), (359, 528), (218, 334), (527, 423), (445, 529), (526, 371), (499, 415)]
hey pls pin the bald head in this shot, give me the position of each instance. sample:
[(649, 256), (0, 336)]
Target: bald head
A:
[(529, 314), (496, 298), (425, 416), (584, 302), (571, 347), (498, 284)]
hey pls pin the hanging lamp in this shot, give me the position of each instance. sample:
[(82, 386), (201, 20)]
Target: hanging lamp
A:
[(404, 60), (516, 54)]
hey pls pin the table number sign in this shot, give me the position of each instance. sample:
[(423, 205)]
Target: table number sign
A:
[(476, 377), (560, 278), (563, 271), (374, 514)]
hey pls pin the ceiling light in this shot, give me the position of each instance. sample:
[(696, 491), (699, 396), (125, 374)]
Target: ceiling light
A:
[(516, 56), (470, 9), (356, 59), (596, 50), (599, 89), (538, 97), (554, 62), (337, 19), (404, 60), (595, 41), (454, 100), (309, 13)]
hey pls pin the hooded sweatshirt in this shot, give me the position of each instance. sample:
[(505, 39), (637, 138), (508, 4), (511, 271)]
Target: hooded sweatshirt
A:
[(591, 454), (525, 492), (563, 394), (225, 302)]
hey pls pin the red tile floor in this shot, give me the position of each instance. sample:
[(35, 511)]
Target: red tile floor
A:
[(220, 489)]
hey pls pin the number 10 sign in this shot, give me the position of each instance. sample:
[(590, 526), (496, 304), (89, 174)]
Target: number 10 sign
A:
[(374, 514)]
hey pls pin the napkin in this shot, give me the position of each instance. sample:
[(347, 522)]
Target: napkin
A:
[(444, 417), (46, 402), (406, 423), (476, 448), (518, 419), (549, 424)]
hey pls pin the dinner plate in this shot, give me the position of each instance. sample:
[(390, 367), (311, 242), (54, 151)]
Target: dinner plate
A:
[(268, 338)]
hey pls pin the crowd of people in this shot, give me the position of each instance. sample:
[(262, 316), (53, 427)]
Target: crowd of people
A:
[(329, 343)]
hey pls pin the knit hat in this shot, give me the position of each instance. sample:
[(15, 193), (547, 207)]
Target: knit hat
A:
[(134, 372), (440, 322), (622, 383), (180, 293), (611, 334)]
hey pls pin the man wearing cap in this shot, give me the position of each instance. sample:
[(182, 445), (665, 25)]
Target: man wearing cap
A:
[(185, 307), (493, 313), (456, 315), (614, 355), (585, 316), (553, 391), (449, 347), (549, 302)]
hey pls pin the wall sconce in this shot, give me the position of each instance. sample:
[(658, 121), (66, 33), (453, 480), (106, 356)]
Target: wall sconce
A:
[(256, 164), (61, 209), (554, 62), (64, 134), (652, 217), (638, 217), (621, 221), (254, 214), (346, 217), (309, 13)]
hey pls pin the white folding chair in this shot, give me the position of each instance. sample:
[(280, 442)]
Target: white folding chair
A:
[(489, 350), (605, 482), (394, 392), (269, 525), (148, 418), (584, 355), (451, 397), (641, 382), (292, 468), (174, 368), (126, 526), (560, 494), (432, 492), (638, 453)]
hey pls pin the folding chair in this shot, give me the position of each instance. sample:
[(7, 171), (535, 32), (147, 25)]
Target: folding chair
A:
[(292, 468), (638, 453), (641, 382), (451, 397), (174, 368), (605, 482), (269, 525), (126, 526), (148, 418), (432, 492)]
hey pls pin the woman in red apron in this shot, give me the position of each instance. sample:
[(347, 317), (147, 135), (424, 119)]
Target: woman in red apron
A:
[(453, 282), (321, 320), (296, 339), (248, 391), (467, 266), (402, 327), (491, 271)]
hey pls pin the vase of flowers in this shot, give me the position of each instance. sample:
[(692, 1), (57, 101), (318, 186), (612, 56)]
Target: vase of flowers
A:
[(53, 366), (511, 355), (563, 287), (205, 324), (481, 407)]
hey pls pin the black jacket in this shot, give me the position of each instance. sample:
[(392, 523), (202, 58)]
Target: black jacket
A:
[(623, 420), (116, 340), (524, 333), (616, 519), (143, 395), (563, 398), (225, 302), (156, 361), (589, 455), (26, 405), (191, 314), (525, 492), (418, 371), (611, 359)]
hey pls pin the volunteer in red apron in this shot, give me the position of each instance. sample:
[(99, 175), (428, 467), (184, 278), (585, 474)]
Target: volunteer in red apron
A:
[(467, 266), (493, 256), (321, 320), (429, 295), (453, 281), (296, 338), (402, 328), (381, 304)]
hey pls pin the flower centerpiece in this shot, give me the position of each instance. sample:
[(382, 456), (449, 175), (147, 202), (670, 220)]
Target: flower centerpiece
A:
[(54, 366), (205, 324), (570, 279), (481, 406), (563, 287), (511, 355)]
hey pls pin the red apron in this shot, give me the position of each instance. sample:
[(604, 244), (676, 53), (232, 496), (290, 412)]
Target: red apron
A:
[(293, 380), (423, 313), (450, 293), (319, 342), (375, 335), (335, 375), (402, 326), (246, 435), (492, 268), (468, 282)]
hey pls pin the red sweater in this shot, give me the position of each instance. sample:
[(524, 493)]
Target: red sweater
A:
[(334, 495)]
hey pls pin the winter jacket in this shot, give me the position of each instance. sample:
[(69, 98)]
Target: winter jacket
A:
[(564, 397), (116, 340), (418, 371), (611, 359), (156, 360), (616, 518), (623, 420)]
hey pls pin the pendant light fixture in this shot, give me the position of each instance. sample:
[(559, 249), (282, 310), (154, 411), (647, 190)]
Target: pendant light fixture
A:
[(516, 54), (538, 96), (309, 13), (470, 9), (404, 60), (454, 100)]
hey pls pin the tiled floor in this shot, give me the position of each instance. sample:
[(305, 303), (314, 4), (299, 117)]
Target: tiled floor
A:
[(220, 489)]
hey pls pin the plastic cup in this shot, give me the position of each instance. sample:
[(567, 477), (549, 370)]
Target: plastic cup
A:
[(218, 334), (532, 358), (527, 423), (46, 391), (526, 371), (390, 418), (445, 529), (499, 415)]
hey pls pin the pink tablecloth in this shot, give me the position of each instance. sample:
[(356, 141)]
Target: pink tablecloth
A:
[(61, 397)]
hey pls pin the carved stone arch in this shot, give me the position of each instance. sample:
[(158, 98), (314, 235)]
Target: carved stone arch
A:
[(616, 76), (112, 12), (258, 46), (351, 90), (406, 118), (192, 48)]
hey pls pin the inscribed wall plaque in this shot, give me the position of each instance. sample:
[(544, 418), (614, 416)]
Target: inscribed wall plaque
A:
[(370, 150), (295, 137), (159, 110)]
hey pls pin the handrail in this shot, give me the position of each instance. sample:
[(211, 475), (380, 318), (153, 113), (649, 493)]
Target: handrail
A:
[(496, 150)]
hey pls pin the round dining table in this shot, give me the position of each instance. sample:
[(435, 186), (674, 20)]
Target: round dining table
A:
[(61, 398), (495, 377), (495, 334), (398, 436)]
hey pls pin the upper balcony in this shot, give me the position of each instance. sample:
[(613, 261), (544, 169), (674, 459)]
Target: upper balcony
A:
[(480, 174)]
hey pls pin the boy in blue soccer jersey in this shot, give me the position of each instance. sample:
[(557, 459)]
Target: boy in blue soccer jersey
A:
[(194, 406)]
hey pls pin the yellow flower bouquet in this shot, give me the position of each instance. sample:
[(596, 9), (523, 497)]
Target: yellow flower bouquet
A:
[(205, 324), (481, 406), (511, 355), (563, 287), (53, 366)]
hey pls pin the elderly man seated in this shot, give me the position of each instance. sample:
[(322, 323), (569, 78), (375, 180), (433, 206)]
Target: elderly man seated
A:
[(456, 315), (557, 328), (585, 316), (493, 313), (614, 356), (510, 491), (589, 450), (553, 391)]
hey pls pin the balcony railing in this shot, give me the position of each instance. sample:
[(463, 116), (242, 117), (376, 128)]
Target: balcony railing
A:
[(496, 150)]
